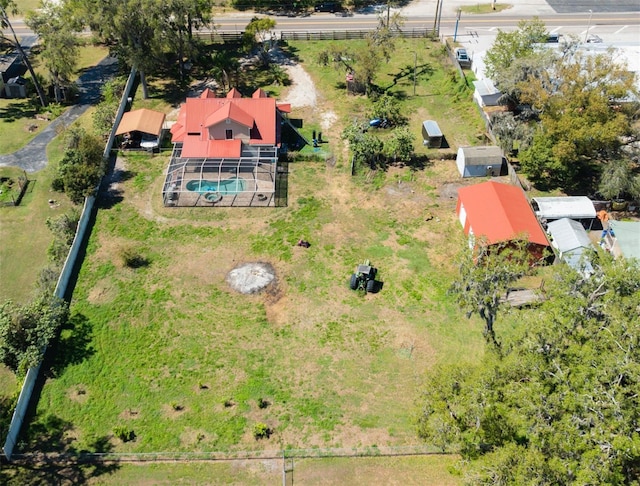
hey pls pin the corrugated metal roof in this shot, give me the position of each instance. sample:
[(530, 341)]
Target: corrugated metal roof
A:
[(196, 148), (500, 212), (485, 87), (229, 111), (568, 235), (196, 114), (142, 120), (627, 237), (576, 207), (485, 155)]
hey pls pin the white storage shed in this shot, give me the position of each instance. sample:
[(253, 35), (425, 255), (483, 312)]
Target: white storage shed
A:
[(479, 161)]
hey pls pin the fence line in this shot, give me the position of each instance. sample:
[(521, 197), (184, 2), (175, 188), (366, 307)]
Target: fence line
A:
[(62, 286), (354, 34), (236, 37), (315, 453)]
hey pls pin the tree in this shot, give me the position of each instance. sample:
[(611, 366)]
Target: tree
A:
[(10, 6), (104, 115), (511, 130), (400, 145), (365, 147), (82, 165), (145, 34), (388, 107), (509, 47), (486, 273), (580, 121), (560, 405), (26, 330), (59, 44), (618, 179), (257, 35), (181, 18)]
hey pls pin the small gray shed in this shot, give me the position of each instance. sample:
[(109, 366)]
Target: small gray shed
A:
[(572, 242), (479, 161), (16, 87), (431, 134), (485, 93)]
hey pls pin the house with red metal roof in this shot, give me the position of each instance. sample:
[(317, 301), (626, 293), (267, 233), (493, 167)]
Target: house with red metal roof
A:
[(225, 150), (499, 212)]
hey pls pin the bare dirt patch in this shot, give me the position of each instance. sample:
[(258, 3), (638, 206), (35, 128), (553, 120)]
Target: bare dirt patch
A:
[(78, 393)]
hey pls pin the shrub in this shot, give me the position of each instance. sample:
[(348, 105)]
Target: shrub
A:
[(262, 403), (261, 431), (124, 433), (132, 258)]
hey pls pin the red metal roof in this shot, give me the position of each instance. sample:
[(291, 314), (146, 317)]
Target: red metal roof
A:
[(261, 114), (229, 111), (234, 93), (207, 93), (499, 212), (259, 93), (197, 148)]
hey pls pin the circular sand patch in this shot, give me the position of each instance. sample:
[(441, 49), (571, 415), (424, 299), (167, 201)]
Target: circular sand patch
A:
[(251, 278)]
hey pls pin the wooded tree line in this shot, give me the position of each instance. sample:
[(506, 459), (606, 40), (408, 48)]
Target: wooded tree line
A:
[(572, 110), (558, 402)]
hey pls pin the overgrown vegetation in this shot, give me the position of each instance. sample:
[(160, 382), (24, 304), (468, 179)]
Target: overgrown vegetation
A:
[(559, 405), (26, 330), (578, 107), (81, 167)]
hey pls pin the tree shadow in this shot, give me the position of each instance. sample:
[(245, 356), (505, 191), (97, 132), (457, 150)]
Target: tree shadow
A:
[(421, 72), (73, 346), (67, 466), (16, 110)]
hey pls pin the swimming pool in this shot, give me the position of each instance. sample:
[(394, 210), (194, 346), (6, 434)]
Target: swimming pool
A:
[(226, 186)]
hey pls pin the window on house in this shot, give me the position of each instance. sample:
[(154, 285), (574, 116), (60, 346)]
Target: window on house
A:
[(229, 134)]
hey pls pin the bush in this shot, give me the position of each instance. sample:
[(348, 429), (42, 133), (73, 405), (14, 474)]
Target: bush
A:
[(261, 431), (124, 433), (132, 258)]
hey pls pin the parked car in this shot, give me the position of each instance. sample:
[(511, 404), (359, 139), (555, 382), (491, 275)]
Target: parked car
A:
[(553, 38), (331, 7), (462, 57)]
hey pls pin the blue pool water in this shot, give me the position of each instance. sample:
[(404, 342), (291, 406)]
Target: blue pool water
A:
[(227, 186)]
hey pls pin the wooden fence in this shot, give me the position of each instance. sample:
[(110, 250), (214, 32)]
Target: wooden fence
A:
[(354, 34), (219, 37)]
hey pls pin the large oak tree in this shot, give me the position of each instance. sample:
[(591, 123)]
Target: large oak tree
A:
[(560, 405)]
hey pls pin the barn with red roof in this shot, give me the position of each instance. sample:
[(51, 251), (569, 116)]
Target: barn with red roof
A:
[(225, 150), (499, 212)]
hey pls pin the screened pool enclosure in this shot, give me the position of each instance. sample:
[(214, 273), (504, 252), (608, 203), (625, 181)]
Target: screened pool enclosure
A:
[(249, 180)]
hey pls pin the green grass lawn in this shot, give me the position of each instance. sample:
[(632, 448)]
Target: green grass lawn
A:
[(423, 471), (18, 122), (171, 353), (25, 236)]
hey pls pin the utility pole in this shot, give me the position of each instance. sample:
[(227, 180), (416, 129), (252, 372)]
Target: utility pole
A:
[(388, 11), (455, 33), (440, 16), (435, 20), (586, 34), (415, 67)]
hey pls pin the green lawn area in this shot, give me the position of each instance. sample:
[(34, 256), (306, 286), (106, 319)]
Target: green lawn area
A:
[(18, 122), (170, 352), (423, 471)]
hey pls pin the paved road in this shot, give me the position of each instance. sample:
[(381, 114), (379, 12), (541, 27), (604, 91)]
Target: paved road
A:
[(33, 157)]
